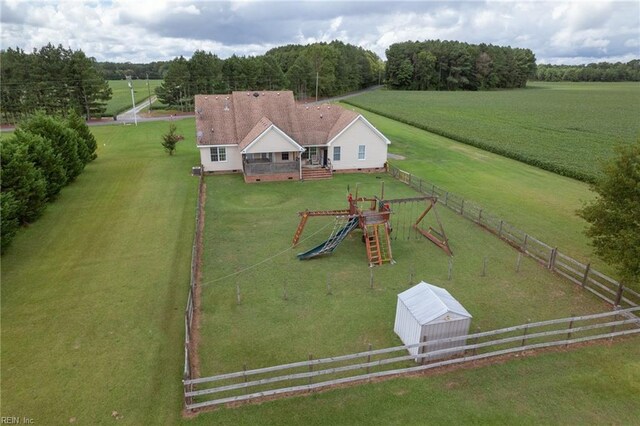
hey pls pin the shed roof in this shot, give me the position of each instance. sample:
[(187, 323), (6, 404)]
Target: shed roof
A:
[(427, 302)]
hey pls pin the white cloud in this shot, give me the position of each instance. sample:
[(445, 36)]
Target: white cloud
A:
[(146, 30)]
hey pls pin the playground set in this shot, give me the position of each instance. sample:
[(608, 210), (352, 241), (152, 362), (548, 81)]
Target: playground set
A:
[(373, 217)]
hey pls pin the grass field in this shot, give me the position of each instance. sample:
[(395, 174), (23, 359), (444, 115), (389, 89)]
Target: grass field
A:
[(248, 223), (93, 296), (568, 128), (93, 292), (539, 202), (121, 100)]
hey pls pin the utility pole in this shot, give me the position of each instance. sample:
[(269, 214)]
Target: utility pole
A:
[(149, 89), (317, 77), (133, 100)]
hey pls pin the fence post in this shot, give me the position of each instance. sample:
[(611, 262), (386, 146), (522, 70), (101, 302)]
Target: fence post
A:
[(310, 366), (524, 334), (586, 275), (480, 216), (552, 258), (500, 229), (370, 277), (411, 273), (446, 198), (369, 357), (423, 350), (484, 267), (569, 333), (244, 371), (518, 262), (613, 327), (450, 269), (433, 190), (238, 293), (524, 244), (462, 207), (619, 295), (475, 341)]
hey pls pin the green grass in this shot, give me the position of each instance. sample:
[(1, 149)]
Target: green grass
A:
[(539, 202), (567, 128), (588, 386), (121, 99), (248, 223), (93, 293)]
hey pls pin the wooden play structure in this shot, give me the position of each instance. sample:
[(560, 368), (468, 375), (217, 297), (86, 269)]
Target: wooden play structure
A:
[(373, 217)]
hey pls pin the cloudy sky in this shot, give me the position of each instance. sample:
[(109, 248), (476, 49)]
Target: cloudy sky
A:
[(147, 30)]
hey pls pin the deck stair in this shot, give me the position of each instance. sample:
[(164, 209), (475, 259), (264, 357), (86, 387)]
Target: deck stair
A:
[(316, 173)]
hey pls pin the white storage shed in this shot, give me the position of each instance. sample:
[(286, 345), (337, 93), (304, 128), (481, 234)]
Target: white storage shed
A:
[(427, 310)]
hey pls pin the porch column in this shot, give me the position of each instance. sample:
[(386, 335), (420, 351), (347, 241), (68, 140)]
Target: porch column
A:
[(300, 163)]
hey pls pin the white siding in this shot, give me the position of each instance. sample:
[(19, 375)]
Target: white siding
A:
[(270, 141), (234, 160), (359, 133), (407, 327)]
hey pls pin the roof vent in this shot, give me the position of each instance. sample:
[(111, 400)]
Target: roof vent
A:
[(206, 97), (212, 130), (320, 115), (200, 134), (278, 94), (199, 111), (256, 94), (226, 105)]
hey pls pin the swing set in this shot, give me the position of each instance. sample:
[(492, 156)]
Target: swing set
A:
[(374, 217)]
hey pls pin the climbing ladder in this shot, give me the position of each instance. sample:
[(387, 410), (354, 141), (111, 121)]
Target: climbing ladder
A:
[(378, 243)]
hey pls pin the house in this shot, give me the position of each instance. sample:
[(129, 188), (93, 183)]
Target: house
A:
[(267, 136)]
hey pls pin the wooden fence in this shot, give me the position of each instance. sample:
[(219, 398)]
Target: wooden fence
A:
[(314, 374), (188, 372), (584, 275)]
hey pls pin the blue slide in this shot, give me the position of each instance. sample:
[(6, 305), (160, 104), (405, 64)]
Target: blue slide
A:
[(332, 242)]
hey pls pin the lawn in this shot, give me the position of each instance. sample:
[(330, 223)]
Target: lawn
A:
[(93, 292), (567, 128), (539, 202), (246, 224), (121, 99), (93, 296)]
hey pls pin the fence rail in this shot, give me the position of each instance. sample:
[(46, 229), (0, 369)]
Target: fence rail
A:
[(606, 288), (357, 367)]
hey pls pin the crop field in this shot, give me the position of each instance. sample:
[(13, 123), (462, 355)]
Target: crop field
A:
[(567, 128), (248, 224), (539, 202), (121, 100)]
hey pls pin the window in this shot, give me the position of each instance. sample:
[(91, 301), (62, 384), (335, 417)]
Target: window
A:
[(361, 152), (285, 156), (218, 154), (336, 153)]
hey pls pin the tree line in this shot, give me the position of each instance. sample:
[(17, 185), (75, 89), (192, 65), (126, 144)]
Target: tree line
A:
[(601, 71), (120, 71), (337, 67), (44, 154), (52, 79), (453, 65)]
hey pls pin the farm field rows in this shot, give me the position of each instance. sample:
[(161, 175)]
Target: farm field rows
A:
[(248, 223), (121, 99), (567, 128)]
